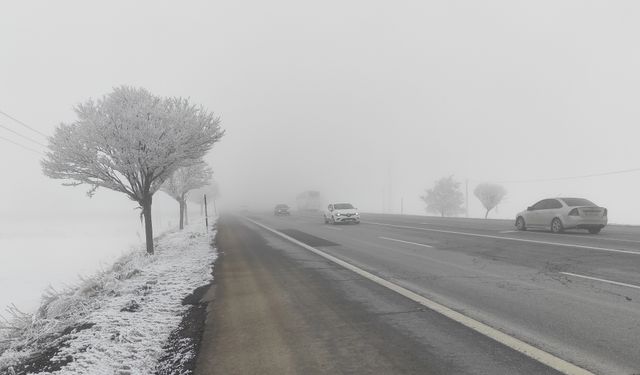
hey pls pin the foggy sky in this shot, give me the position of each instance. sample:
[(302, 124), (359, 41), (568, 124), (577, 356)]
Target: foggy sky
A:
[(366, 101)]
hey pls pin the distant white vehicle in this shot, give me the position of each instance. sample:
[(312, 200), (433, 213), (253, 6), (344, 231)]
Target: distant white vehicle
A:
[(559, 214), (341, 213)]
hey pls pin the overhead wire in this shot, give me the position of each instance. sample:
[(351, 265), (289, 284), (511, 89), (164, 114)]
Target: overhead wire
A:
[(21, 145), (630, 170), (22, 135), (23, 124)]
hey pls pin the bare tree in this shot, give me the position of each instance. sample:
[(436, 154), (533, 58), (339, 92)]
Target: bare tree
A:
[(184, 180), (445, 198), (130, 141), (490, 195)]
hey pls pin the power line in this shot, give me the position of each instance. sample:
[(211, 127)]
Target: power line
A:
[(572, 177), (22, 135), (23, 124), (20, 145)]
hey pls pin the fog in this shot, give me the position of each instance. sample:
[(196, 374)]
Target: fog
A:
[(366, 101)]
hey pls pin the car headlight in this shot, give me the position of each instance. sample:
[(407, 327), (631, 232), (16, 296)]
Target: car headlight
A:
[(338, 214)]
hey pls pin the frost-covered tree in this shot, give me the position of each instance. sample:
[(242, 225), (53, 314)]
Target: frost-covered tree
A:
[(490, 195), (445, 197), (184, 180), (130, 141)]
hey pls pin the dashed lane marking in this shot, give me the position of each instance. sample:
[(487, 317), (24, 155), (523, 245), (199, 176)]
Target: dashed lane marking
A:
[(508, 238), (601, 280), (408, 242)]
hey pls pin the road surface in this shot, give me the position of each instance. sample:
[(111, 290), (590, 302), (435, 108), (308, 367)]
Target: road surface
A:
[(574, 296)]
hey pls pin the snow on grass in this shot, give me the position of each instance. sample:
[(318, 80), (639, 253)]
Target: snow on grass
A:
[(118, 321)]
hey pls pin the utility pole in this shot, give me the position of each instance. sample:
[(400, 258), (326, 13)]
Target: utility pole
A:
[(390, 191), (206, 213), (467, 197)]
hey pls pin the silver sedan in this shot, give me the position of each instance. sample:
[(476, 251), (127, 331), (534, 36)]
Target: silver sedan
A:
[(559, 214)]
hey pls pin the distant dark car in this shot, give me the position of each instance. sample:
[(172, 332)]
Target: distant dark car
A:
[(281, 210)]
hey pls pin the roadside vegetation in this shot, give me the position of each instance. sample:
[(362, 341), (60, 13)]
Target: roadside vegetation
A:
[(445, 198), (131, 141), (490, 195)]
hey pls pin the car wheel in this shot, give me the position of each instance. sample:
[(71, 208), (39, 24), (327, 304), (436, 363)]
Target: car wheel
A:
[(556, 226), (594, 230), (520, 225), (332, 220)]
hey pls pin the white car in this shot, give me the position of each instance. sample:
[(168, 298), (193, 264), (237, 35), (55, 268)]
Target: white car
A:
[(341, 213), (559, 214)]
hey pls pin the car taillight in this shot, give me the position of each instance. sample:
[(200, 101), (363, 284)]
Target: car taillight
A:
[(605, 212), (574, 212)]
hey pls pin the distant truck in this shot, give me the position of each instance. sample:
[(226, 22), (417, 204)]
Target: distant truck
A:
[(309, 200)]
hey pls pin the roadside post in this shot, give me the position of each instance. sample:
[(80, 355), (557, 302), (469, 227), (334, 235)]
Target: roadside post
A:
[(206, 213)]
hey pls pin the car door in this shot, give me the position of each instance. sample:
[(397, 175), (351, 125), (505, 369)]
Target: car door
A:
[(533, 214), (551, 209)]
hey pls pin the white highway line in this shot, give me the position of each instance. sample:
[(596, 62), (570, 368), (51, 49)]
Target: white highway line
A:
[(591, 237), (508, 238), (508, 231), (602, 280), (411, 243), (528, 350)]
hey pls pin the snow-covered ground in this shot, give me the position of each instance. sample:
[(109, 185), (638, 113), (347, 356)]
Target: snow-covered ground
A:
[(36, 253), (39, 253), (128, 310)]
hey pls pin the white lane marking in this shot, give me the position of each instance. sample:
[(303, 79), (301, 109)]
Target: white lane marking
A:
[(508, 238), (602, 280), (411, 243), (528, 350), (591, 237), (508, 231)]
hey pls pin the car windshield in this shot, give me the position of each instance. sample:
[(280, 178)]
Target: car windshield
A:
[(342, 206), (573, 202)]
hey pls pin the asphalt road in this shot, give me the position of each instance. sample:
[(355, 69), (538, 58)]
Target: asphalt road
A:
[(276, 308), (573, 295)]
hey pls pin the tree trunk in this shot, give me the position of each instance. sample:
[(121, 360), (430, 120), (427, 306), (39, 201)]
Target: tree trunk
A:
[(148, 226), (186, 213), (486, 214), (181, 202)]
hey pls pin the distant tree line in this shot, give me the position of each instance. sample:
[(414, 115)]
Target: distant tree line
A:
[(446, 198)]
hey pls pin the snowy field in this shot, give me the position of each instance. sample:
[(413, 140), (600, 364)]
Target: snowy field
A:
[(38, 253), (127, 310)]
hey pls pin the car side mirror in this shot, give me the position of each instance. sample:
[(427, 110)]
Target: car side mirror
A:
[(529, 208)]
